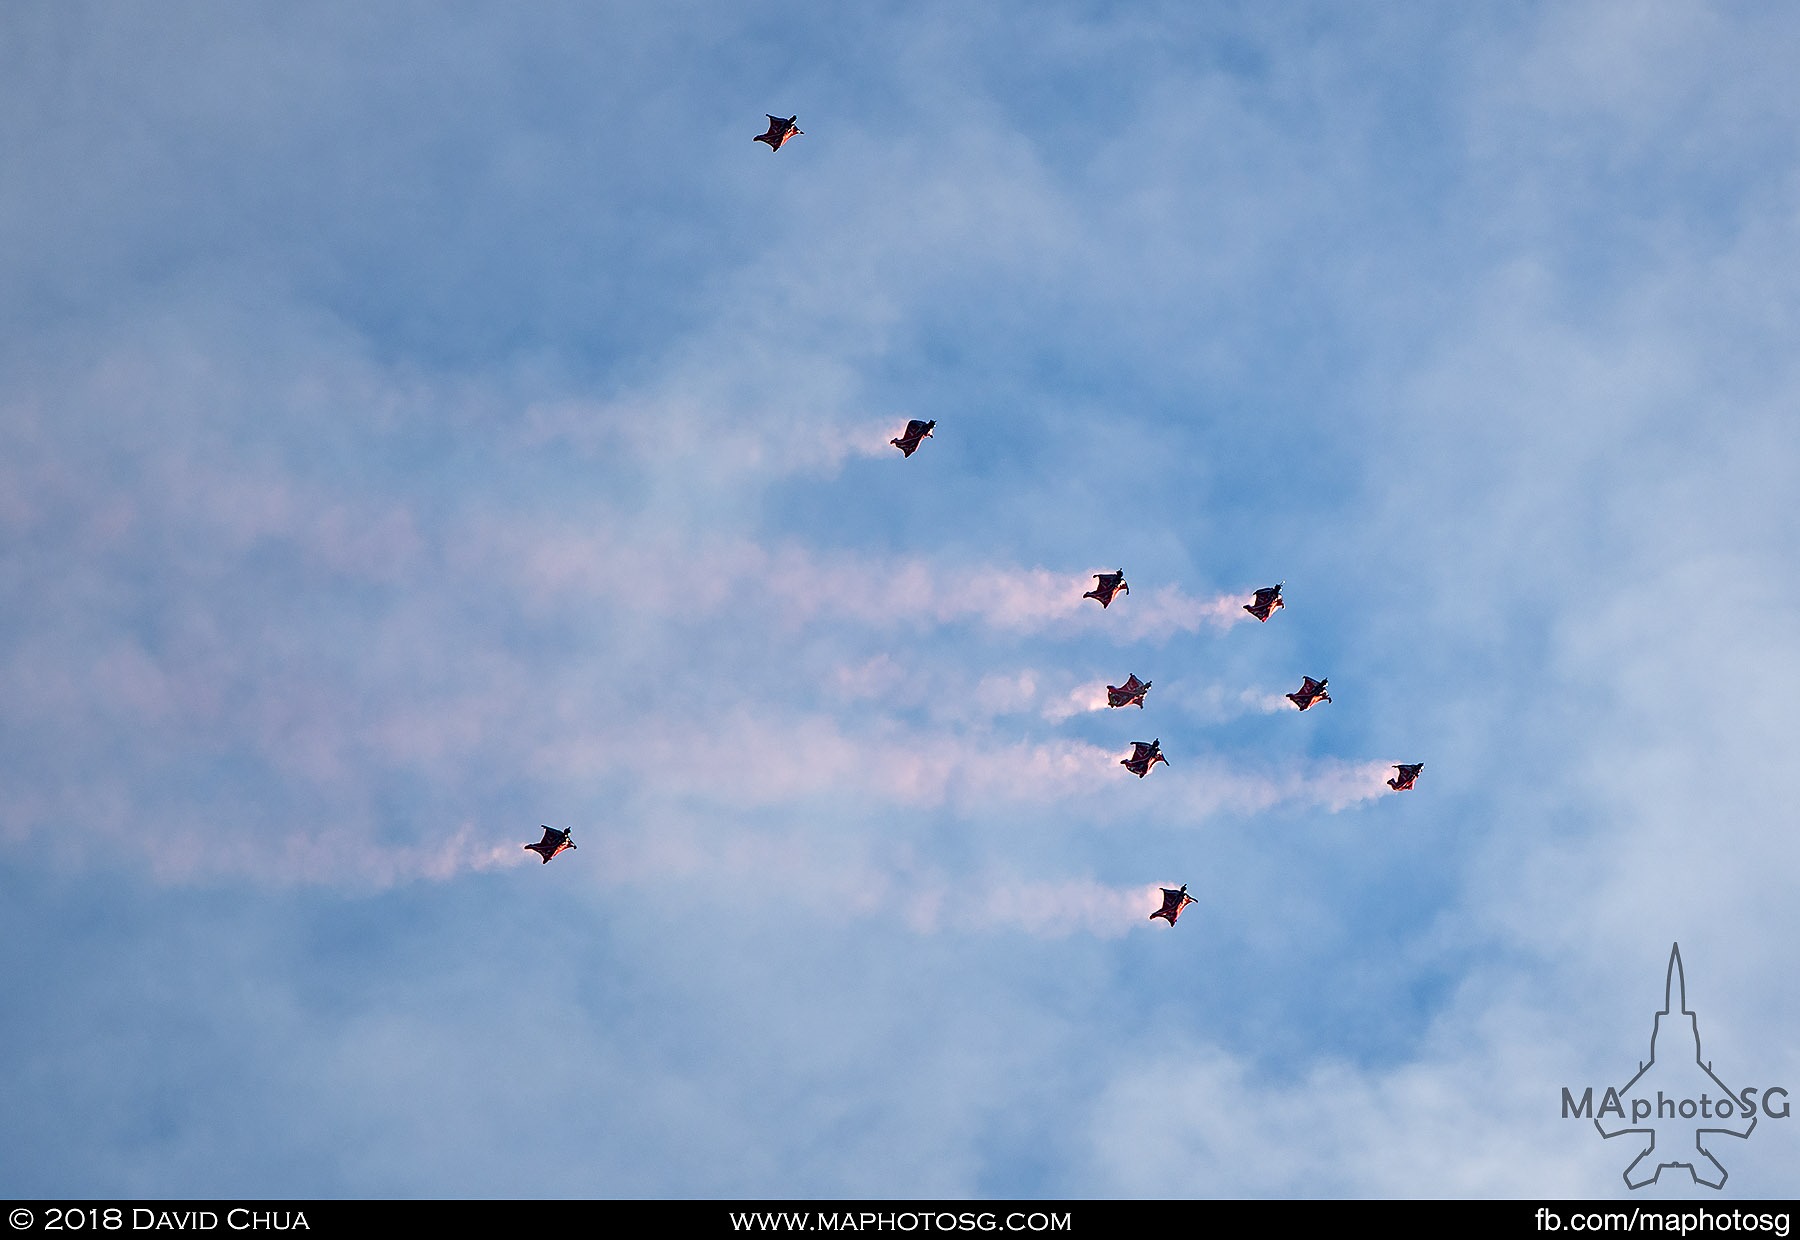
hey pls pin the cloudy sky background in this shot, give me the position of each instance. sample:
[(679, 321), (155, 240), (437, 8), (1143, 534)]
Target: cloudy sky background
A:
[(421, 422)]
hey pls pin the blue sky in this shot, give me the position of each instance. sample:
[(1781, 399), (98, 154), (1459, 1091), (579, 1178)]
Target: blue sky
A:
[(419, 423)]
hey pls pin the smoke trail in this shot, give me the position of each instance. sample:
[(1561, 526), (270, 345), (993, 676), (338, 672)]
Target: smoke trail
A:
[(837, 876), (337, 856), (1082, 699), (833, 443), (1167, 611), (655, 571), (1042, 909), (1331, 785), (1010, 599), (1266, 703), (685, 434)]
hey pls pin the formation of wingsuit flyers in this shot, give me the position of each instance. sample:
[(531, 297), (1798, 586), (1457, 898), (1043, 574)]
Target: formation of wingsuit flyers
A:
[(1144, 754)]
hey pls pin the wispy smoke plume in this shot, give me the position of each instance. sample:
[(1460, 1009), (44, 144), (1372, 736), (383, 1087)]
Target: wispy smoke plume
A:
[(1330, 785), (802, 587), (1167, 611), (1039, 908), (1079, 700), (332, 857), (1266, 703), (790, 867), (677, 434)]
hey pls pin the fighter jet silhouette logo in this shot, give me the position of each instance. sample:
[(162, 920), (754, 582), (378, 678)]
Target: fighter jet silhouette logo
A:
[(1687, 1109)]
